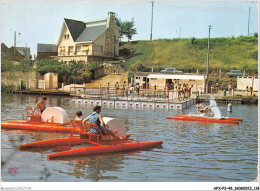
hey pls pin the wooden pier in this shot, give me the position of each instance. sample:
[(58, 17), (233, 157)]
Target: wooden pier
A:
[(42, 92)]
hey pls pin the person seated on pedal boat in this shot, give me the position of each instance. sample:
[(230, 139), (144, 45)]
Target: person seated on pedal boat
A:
[(78, 116), (199, 107), (41, 104), (203, 110), (96, 118)]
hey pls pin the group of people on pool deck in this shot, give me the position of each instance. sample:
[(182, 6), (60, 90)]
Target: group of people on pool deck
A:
[(201, 109), (94, 118)]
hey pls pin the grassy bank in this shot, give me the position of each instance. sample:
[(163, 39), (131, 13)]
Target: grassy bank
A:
[(189, 54), (6, 88)]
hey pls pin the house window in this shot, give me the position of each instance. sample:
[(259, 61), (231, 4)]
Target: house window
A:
[(66, 36), (62, 50), (137, 78), (71, 49), (98, 48), (78, 49)]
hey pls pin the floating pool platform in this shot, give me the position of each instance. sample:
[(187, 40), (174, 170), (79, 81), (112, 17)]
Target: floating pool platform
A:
[(134, 104)]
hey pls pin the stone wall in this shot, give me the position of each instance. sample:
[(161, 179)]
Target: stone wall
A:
[(13, 77)]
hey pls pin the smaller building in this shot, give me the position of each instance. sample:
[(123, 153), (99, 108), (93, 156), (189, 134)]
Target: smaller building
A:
[(49, 81), (141, 79), (46, 50), (197, 80), (244, 81)]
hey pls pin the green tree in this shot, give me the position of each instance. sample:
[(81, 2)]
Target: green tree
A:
[(48, 65), (193, 40), (128, 29), (119, 23)]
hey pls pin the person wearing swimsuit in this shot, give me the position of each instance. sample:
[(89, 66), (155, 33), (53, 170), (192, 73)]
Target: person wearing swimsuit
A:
[(96, 118)]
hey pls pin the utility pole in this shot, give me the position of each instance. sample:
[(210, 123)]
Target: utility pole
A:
[(207, 72), (210, 27), (248, 21), (14, 41), (151, 35), (25, 50)]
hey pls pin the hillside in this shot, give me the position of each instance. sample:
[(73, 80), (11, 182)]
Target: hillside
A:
[(111, 79), (189, 54)]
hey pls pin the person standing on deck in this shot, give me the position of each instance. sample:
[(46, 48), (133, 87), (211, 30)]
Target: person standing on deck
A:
[(251, 91), (247, 90), (229, 89), (116, 87), (96, 118), (41, 104), (108, 89)]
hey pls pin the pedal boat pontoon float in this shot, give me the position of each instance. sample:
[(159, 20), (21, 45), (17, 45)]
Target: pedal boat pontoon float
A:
[(203, 118)]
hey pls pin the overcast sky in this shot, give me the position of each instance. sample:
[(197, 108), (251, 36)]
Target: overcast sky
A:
[(40, 21)]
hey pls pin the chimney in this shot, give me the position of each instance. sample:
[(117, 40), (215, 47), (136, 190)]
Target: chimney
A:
[(110, 19)]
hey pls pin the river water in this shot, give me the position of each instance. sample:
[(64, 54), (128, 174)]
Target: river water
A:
[(191, 151)]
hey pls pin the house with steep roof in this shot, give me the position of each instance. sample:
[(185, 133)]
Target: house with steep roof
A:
[(46, 50), (88, 41), (8, 53), (24, 51)]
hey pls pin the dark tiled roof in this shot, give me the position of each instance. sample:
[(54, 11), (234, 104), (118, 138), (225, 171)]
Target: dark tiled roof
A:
[(91, 33), (75, 27), (23, 50), (47, 48)]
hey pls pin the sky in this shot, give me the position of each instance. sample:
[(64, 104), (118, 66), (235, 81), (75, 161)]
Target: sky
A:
[(40, 21)]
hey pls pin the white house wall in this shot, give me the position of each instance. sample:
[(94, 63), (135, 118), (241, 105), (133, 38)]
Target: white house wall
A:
[(243, 82)]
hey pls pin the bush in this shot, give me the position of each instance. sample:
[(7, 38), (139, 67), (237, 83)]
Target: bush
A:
[(6, 88), (254, 55), (23, 66)]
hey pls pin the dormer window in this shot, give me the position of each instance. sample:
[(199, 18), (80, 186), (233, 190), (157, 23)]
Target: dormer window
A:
[(66, 36)]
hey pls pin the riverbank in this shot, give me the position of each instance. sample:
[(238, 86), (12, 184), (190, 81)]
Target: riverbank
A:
[(43, 92)]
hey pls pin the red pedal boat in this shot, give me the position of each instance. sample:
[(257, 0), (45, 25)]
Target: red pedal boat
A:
[(205, 119), (104, 144), (51, 120)]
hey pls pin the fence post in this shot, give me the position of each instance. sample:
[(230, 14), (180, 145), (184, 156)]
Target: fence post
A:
[(29, 83), (100, 91), (62, 86), (26, 85), (20, 84), (154, 95), (44, 85), (168, 96)]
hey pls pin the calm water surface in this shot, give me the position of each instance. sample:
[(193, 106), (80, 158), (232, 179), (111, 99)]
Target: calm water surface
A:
[(191, 151)]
